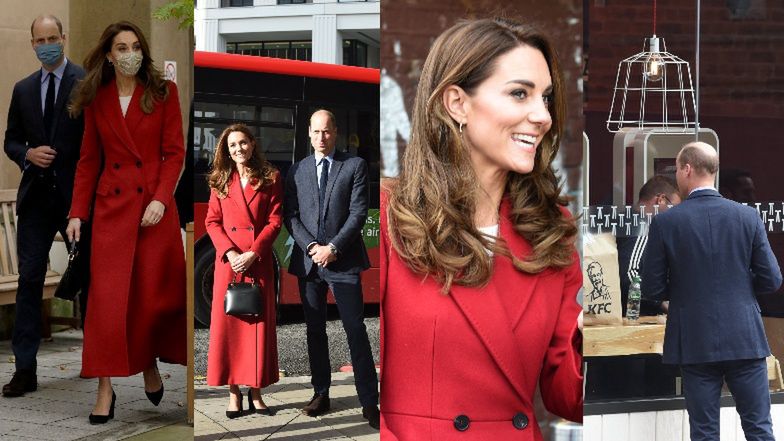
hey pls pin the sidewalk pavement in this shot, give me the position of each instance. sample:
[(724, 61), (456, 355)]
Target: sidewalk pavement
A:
[(287, 397), (58, 410)]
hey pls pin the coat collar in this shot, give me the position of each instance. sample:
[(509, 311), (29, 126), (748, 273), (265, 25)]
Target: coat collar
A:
[(63, 96), (704, 192), (241, 198), (486, 313), (337, 163), (334, 170), (123, 126)]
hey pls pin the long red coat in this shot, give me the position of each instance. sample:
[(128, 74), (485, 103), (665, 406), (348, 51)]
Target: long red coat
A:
[(136, 306), (472, 358), (244, 350)]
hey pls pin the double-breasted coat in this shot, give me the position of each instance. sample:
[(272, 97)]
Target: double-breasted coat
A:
[(136, 307), (465, 365), (244, 350)]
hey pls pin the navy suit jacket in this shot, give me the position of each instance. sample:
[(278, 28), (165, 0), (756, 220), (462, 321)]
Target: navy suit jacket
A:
[(710, 257), (26, 130), (344, 214)]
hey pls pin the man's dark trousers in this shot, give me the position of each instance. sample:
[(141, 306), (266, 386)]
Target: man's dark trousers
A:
[(748, 382), (347, 289), (35, 232)]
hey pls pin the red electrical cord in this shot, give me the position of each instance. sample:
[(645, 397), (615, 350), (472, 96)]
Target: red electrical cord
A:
[(654, 17)]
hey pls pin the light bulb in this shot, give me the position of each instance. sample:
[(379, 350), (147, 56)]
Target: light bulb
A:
[(654, 64)]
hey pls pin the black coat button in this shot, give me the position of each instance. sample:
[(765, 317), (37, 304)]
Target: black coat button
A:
[(138, 164), (116, 191), (520, 421), (116, 165), (233, 228), (462, 422), (138, 189)]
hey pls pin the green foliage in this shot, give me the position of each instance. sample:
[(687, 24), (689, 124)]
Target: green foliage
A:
[(180, 10)]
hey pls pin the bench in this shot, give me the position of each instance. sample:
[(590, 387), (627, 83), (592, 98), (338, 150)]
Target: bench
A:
[(9, 267)]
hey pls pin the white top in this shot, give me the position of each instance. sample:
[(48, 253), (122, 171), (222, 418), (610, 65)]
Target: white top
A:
[(244, 182), (124, 102), (491, 231)]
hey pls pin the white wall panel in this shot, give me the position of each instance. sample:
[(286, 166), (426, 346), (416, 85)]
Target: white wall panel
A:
[(615, 427), (642, 426), (592, 428), (669, 425)]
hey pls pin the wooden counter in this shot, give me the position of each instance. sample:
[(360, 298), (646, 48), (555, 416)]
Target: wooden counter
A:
[(605, 341)]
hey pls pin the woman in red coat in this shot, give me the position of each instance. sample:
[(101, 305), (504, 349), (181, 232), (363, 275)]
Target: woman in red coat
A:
[(131, 158), (243, 220), (479, 276)]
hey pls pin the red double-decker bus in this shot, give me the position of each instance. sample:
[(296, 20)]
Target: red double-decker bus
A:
[(275, 98)]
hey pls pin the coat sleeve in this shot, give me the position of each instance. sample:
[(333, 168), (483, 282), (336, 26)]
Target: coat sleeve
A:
[(264, 241), (357, 209), (561, 379), (14, 144), (655, 268), (291, 212), (384, 250), (764, 266), (214, 224), (172, 148), (87, 170)]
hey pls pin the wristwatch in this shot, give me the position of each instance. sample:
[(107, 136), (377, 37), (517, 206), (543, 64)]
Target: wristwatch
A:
[(333, 248)]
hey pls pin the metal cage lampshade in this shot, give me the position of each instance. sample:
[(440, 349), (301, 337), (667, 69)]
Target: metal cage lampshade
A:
[(653, 90)]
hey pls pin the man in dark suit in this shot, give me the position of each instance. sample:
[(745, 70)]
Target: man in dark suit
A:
[(44, 141), (710, 256), (325, 207)]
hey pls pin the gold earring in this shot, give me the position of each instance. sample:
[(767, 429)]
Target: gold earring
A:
[(461, 128)]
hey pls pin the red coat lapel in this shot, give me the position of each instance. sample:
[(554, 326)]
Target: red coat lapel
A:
[(110, 104), (487, 314), (237, 195), (250, 193)]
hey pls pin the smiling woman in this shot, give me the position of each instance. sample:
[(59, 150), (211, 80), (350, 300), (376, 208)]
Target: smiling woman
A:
[(479, 275)]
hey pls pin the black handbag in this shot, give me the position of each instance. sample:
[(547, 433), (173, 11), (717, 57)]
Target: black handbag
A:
[(71, 280), (243, 299)]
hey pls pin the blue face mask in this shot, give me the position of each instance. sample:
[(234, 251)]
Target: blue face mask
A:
[(48, 54)]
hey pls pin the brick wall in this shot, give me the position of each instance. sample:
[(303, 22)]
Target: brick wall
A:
[(412, 26)]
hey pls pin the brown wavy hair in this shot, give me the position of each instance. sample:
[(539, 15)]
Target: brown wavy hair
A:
[(99, 71), (261, 174), (431, 204)]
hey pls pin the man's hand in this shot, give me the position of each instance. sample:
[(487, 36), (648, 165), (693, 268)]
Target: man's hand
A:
[(41, 156), (322, 255), (153, 213)]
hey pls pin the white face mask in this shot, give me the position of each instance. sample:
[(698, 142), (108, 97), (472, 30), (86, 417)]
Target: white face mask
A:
[(129, 63)]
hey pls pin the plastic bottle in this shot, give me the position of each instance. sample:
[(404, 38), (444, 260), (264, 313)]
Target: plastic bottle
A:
[(633, 304)]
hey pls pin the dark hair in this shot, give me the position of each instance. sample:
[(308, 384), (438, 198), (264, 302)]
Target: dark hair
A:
[(657, 185), (45, 17), (262, 173), (100, 71)]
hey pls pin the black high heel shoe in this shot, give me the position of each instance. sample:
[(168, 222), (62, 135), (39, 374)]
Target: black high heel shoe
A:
[(103, 419), (266, 411), (231, 414), (156, 397)]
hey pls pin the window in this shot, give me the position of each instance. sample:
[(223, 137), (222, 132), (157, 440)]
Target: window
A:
[(232, 3), (354, 53), (291, 50), (293, 2)]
